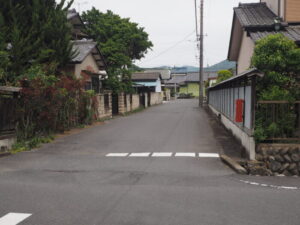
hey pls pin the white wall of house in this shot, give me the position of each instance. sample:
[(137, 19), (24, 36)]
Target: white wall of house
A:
[(158, 86), (273, 5), (245, 54), (282, 9), (88, 63)]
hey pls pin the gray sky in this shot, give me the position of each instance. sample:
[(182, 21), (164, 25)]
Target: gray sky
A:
[(171, 26)]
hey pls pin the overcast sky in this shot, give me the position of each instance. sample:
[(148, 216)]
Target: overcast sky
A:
[(171, 27)]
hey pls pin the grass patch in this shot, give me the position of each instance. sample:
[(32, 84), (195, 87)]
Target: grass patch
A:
[(104, 119), (22, 146)]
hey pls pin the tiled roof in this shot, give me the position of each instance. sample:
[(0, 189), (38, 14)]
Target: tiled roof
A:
[(176, 79), (165, 73), (245, 74), (71, 14), (145, 76), (291, 32), (255, 15), (83, 47), (192, 77)]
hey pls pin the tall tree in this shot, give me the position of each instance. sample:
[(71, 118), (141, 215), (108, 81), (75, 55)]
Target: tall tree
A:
[(36, 32), (120, 41)]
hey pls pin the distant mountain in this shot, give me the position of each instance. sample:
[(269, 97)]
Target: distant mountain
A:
[(185, 69), (223, 65)]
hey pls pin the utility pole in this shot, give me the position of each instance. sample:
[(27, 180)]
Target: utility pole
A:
[(201, 70), (196, 20)]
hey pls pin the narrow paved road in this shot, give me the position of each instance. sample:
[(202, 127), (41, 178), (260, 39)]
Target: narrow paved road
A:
[(73, 181)]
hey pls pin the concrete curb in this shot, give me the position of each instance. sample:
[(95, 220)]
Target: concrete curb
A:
[(233, 164)]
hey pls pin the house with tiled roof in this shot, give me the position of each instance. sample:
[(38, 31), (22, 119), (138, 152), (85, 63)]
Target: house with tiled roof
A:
[(235, 100), (147, 81), (88, 62), (253, 21)]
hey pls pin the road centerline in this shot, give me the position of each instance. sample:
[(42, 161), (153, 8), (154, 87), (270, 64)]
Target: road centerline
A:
[(162, 154), (117, 154), (185, 154), (140, 154)]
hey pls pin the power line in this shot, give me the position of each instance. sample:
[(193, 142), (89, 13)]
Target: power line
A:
[(170, 48)]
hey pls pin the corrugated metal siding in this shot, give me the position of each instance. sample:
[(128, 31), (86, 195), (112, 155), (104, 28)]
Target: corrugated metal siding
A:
[(223, 100)]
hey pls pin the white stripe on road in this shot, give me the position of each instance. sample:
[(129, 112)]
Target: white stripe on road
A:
[(13, 218), (140, 154), (162, 154), (270, 185), (209, 155), (117, 155), (185, 154)]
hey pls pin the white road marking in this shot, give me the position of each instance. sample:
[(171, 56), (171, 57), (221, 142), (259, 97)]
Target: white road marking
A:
[(140, 154), (209, 155), (162, 154), (13, 218), (117, 155), (185, 154), (271, 186)]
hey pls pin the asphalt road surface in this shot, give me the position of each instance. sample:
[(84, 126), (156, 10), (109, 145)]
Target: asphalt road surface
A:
[(144, 169)]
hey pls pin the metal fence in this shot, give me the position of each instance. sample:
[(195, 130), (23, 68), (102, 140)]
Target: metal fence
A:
[(224, 100), (280, 119)]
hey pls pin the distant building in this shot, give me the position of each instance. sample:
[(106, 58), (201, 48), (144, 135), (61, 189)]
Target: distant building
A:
[(188, 83), (147, 82)]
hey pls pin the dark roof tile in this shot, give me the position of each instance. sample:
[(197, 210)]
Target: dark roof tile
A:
[(255, 15), (292, 32), (145, 76)]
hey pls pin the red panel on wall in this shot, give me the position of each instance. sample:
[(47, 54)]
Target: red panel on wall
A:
[(239, 110)]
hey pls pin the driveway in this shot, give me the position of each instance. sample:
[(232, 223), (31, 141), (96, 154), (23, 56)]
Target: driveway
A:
[(157, 167)]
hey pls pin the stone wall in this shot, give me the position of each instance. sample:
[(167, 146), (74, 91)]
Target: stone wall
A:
[(280, 158), (104, 111), (135, 101), (156, 98)]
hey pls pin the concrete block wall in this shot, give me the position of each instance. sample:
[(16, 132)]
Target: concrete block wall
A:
[(122, 107), (167, 95), (104, 112), (156, 98), (135, 101), (128, 106)]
